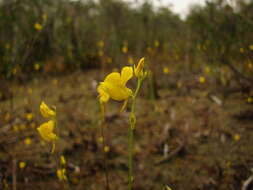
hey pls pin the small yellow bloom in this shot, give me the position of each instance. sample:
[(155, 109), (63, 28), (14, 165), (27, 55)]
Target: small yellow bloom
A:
[(114, 86), (166, 70), (251, 47), (22, 165), (156, 43), (38, 26), (36, 66), (202, 79), (28, 141), (46, 131), (46, 111), (237, 137), (250, 65), (101, 44), (61, 174), (249, 99), (106, 149), (124, 49), (138, 71), (63, 160), (241, 50), (29, 116), (100, 139), (207, 70)]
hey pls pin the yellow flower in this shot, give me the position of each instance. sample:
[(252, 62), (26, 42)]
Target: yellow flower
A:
[(46, 131), (63, 160), (251, 47), (36, 66), (106, 149), (166, 70), (38, 26), (22, 165), (28, 141), (241, 50), (46, 111), (29, 116), (156, 43), (101, 44), (202, 79), (237, 137), (207, 70), (114, 86), (61, 174), (249, 100), (138, 71), (124, 49)]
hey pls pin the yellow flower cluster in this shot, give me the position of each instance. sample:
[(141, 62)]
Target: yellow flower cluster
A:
[(46, 130), (61, 174)]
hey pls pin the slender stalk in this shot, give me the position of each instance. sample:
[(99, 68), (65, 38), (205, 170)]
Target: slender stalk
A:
[(103, 125), (132, 122)]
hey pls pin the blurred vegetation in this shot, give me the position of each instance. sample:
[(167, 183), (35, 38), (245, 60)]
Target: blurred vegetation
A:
[(61, 35)]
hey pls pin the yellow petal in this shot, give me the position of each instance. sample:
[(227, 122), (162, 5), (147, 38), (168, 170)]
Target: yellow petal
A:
[(118, 92), (46, 111), (126, 74), (46, 131), (103, 95), (113, 78)]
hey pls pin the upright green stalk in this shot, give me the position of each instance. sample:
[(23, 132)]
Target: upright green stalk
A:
[(132, 122)]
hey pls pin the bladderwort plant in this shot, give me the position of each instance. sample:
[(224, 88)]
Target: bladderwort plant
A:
[(50, 133), (114, 87)]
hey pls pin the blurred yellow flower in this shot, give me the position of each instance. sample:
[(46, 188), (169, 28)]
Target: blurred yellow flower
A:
[(36, 66), (168, 188), (15, 128), (46, 111), (63, 160), (250, 65), (241, 50), (46, 131), (156, 43), (106, 149), (124, 49), (29, 116), (61, 174), (166, 70), (114, 86), (28, 141), (22, 165), (207, 70), (202, 79), (38, 26), (251, 47), (101, 44), (249, 99), (100, 139), (138, 71), (237, 137)]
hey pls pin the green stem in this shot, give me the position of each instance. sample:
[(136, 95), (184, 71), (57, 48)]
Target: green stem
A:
[(132, 122)]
